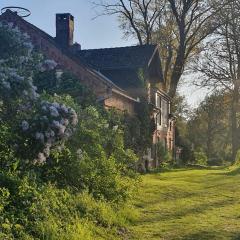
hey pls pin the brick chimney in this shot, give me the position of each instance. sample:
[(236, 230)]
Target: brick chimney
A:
[(64, 29)]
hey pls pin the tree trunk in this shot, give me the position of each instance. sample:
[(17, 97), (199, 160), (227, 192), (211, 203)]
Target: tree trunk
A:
[(234, 127), (177, 73), (209, 139)]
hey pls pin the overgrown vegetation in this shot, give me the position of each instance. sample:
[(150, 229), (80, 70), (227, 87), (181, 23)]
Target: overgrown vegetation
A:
[(206, 131), (65, 171)]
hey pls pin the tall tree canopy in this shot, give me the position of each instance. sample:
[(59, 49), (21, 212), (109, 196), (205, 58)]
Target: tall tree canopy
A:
[(219, 64), (208, 127)]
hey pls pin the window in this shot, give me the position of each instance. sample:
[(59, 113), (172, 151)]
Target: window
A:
[(158, 105), (165, 112), (163, 105), (158, 101), (159, 118)]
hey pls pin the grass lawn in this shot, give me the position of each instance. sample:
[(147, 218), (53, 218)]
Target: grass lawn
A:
[(189, 204)]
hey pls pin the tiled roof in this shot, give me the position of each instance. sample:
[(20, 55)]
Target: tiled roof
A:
[(121, 65), (118, 58)]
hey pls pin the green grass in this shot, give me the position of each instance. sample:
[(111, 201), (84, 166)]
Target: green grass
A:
[(189, 204)]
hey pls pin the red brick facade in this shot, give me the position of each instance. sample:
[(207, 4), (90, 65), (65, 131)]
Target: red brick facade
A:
[(120, 103)]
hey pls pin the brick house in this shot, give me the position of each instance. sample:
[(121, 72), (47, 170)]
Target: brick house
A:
[(117, 76), (136, 70)]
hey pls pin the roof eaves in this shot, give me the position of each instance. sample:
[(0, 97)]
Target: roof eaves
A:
[(117, 89), (125, 95), (154, 52)]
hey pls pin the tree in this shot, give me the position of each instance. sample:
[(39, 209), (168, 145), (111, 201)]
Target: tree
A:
[(220, 64), (182, 112), (137, 17), (179, 26), (208, 127)]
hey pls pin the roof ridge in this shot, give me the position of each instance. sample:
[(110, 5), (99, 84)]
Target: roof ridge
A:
[(16, 16), (110, 48)]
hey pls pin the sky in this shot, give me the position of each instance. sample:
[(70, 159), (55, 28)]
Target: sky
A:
[(101, 32), (98, 33)]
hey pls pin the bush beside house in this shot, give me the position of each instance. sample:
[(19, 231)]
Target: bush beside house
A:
[(65, 171)]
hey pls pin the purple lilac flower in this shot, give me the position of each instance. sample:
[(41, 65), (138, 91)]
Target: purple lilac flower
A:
[(53, 111), (25, 125), (39, 136)]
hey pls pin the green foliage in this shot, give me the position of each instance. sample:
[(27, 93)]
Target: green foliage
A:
[(208, 127), (181, 112), (137, 130), (147, 125), (235, 168), (96, 159), (67, 84), (163, 156), (187, 153), (218, 161), (105, 214), (65, 171), (237, 159), (200, 157), (29, 211), (8, 159)]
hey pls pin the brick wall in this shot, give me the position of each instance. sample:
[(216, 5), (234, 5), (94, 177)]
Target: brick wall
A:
[(120, 103)]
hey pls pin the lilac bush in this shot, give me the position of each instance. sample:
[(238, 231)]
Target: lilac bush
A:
[(53, 125), (42, 124)]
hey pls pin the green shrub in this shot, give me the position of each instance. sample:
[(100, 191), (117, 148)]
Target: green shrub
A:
[(217, 161), (200, 157), (163, 155), (67, 84), (65, 172), (237, 159), (103, 177), (29, 211)]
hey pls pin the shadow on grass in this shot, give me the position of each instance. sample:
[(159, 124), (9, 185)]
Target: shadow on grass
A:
[(182, 213), (237, 237), (234, 172), (229, 172), (207, 235), (203, 235), (165, 170), (165, 198), (184, 169)]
